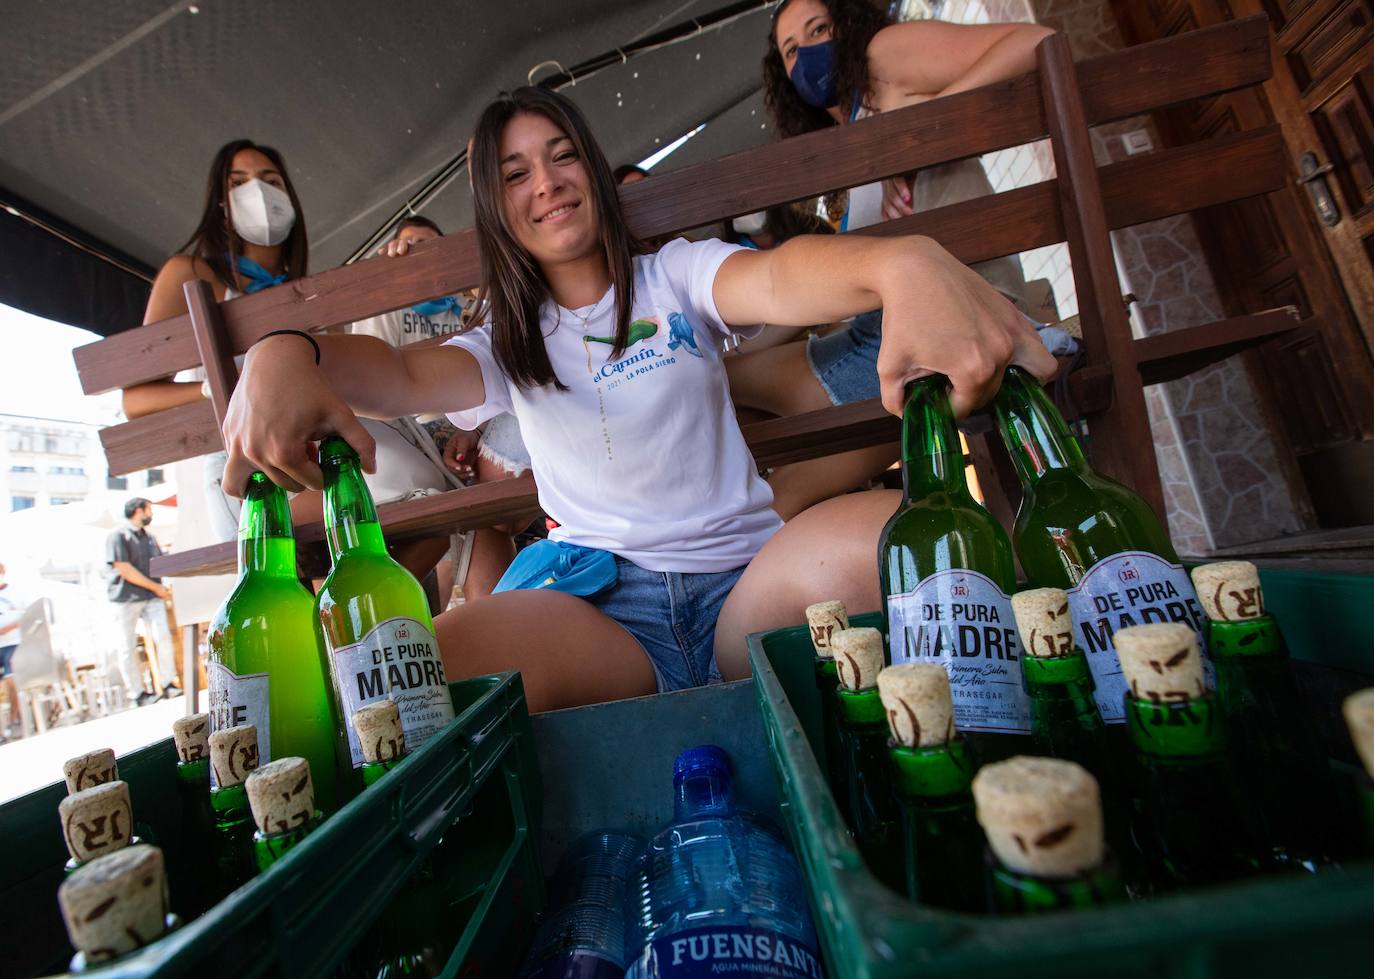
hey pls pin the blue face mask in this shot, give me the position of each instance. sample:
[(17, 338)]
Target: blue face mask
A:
[(433, 307), (813, 75)]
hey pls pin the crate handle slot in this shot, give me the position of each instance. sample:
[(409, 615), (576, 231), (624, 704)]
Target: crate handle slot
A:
[(423, 835)]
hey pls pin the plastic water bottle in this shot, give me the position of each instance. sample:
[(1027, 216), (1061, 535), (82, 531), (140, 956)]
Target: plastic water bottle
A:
[(717, 891), (583, 936)]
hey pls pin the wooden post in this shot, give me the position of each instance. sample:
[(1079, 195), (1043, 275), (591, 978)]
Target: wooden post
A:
[(190, 681), (212, 342), (1122, 444)]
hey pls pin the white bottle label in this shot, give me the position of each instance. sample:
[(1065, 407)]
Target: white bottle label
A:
[(1130, 588), (962, 620), (236, 700), (399, 659)]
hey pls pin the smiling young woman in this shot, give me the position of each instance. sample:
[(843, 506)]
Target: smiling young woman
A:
[(611, 362)]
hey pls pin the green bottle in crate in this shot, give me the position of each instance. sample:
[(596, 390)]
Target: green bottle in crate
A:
[(1359, 718), (823, 620), (1046, 848), (1283, 767), (867, 785), (281, 797), (233, 755), (374, 615), (946, 568), (1089, 535), (264, 665), (932, 774), (1195, 826), (191, 738)]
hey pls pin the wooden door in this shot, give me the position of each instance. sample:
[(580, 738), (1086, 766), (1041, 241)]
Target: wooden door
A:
[(1280, 249)]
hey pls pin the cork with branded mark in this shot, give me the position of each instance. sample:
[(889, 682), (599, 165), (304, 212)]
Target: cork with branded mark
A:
[(1229, 590), (1042, 816), (824, 619), (920, 712), (1161, 662), (858, 657), (281, 795), (1359, 718), (191, 735), (1044, 621), (233, 754), (93, 768), (97, 821), (379, 731), (117, 904)]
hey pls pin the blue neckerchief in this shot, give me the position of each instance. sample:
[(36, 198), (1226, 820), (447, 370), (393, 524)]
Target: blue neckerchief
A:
[(257, 276), (747, 242), (433, 307), (560, 566)]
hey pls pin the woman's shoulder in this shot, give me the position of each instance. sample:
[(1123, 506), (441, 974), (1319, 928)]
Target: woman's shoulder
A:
[(183, 268)]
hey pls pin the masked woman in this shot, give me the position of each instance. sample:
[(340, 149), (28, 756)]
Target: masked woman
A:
[(610, 361)]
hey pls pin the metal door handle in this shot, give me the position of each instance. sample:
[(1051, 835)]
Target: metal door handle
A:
[(1313, 177)]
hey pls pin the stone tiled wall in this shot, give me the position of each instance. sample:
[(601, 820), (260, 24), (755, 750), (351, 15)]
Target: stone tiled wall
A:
[(1222, 480)]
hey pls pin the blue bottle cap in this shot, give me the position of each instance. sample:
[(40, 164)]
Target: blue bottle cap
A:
[(705, 759)]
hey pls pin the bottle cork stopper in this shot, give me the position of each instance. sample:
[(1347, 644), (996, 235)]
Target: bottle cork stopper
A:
[(1359, 717), (116, 904), (233, 754), (920, 713), (379, 731), (1044, 621), (281, 795), (858, 657), (92, 768), (1161, 662), (1042, 816), (1229, 590), (97, 820), (825, 619), (191, 735)]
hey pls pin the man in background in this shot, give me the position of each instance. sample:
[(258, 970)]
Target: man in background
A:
[(129, 551)]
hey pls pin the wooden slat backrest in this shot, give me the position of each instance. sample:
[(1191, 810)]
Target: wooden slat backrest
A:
[(1114, 86)]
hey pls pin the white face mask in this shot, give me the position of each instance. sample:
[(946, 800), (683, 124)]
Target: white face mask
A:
[(750, 224), (262, 214)]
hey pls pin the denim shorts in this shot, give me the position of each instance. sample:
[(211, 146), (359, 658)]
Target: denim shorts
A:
[(673, 616), (846, 361)]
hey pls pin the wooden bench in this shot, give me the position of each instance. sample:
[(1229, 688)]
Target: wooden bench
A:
[(1060, 100)]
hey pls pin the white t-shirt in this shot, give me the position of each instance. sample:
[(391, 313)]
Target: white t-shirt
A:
[(402, 326), (643, 456)]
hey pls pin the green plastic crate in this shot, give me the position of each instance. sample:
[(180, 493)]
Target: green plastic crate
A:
[(478, 781), (1279, 927)]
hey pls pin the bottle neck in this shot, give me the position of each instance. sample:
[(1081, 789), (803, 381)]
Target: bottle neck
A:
[(1018, 893), (267, 545), (350, 518), (1247, 639), (374, 770), (933, 772), (1035, 433), (932, 458), (703, 795), (1057, 676), (859, 708), (1190, 729)]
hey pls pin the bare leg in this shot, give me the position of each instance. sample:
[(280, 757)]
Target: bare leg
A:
[(830, 551), (779, 380), (568, 652)]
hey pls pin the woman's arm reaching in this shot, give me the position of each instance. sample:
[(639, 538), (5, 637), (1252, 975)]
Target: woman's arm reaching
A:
[(939, 317), (283, 402)]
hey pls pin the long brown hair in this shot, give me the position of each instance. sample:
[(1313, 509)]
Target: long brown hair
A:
[(215, 241), (513, 285), (852, 26)]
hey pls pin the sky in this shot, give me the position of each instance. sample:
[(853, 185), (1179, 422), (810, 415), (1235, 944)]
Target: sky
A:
[(37, 375)]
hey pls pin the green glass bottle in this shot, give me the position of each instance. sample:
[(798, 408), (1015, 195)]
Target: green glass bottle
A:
[(233, 755), (1282, 766), (415, 935), (374, 615), (1093, 537), (867, 785), (1359, 719), (282, 799), (823, 620), (191, 737), (264, 665), (1046, 849), (946, 568), (1195, 826), (942, 844)]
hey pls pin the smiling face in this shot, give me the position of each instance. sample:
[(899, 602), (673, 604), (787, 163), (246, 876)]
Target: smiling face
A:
[(548, 203), (801, 24)]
